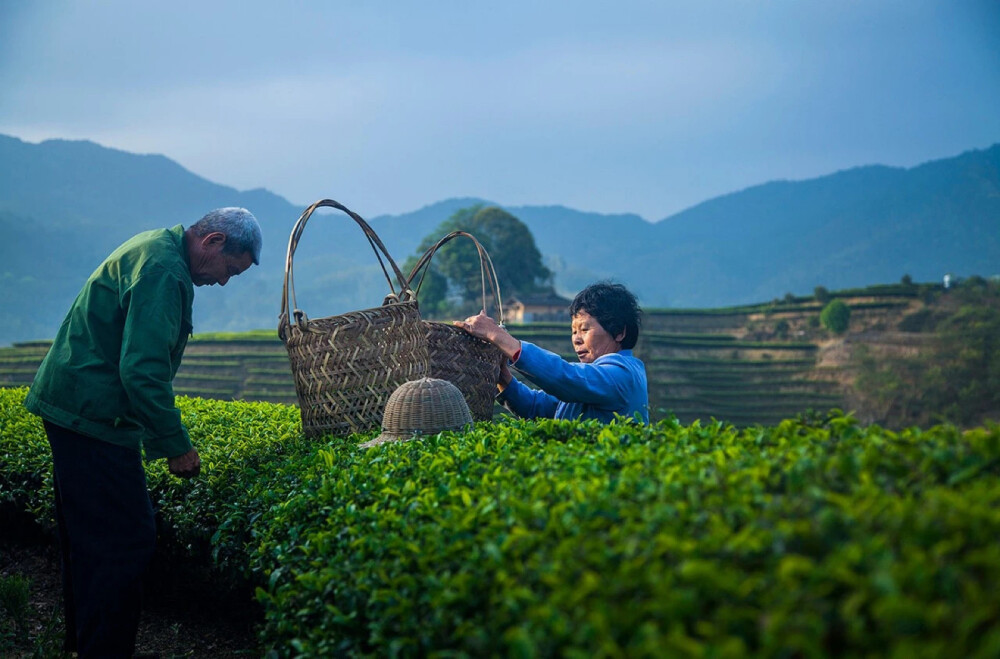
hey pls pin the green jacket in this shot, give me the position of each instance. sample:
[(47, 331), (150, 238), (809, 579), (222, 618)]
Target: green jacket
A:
[(109, 372)]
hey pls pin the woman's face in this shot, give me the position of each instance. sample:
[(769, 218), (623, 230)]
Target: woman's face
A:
[(590, 340)]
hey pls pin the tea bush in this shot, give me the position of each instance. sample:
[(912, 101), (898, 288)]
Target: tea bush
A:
[(814, 537), (558, 538), (248, 453), (25, 461)]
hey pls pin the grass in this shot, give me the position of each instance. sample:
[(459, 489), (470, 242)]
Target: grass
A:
[(209, 378), (204, 392), (247, 336), (731, 344), (15, 591), (721, 364)]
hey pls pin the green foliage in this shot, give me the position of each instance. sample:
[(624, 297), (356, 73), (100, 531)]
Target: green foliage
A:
[(455, 282), (835, 316), (921, 320), (893, 290), (892, 387), (248, 453), (14, 591), (250, 336), (14, 595), (431, 285), (821, 294), (957, 378), (968, 358), (815, 537), (25, 461), (620, 541)]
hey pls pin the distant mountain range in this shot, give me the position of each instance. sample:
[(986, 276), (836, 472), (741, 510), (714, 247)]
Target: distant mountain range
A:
[(65, 204)]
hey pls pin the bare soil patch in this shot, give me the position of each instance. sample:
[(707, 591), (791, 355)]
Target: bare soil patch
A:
[(178, 620)]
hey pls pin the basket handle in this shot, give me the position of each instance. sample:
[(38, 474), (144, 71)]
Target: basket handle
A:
[(487, 272), (406, 294)]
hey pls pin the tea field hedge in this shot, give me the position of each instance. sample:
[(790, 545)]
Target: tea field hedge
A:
[(813, 537)]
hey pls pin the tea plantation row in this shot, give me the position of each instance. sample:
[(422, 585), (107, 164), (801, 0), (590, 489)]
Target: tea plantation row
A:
[(814, 537)]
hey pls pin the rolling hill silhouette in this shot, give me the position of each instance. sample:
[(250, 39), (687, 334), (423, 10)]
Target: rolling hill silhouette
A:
[(65, 204)]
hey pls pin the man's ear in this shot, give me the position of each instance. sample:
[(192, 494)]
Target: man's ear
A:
[(620, 337), (214, 239)]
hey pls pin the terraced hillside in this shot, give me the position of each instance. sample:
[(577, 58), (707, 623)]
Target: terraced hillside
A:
[(744, 365), (243, 366)]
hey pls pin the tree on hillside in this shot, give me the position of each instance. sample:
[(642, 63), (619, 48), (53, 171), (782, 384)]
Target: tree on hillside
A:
[(454, 282), (835, 316), (433, 288)]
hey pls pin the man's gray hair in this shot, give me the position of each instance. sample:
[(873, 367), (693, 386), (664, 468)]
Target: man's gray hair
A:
[(240, 227)]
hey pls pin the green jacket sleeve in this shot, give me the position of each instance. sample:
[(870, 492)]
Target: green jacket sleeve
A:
[(152, 342)]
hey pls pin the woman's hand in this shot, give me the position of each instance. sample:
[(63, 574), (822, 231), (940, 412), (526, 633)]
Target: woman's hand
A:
[(484, 327), (481, 326)]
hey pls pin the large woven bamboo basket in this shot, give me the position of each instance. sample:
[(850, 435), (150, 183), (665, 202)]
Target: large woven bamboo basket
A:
[(345, 367), (468, 362)]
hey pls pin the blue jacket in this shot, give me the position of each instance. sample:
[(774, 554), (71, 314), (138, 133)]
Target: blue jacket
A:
[(613, 383)]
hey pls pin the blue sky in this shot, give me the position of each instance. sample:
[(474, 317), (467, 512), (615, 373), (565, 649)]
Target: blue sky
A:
[(631, 106)]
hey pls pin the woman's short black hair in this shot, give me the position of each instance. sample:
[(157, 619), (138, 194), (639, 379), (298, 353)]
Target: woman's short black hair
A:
[(614, 307)]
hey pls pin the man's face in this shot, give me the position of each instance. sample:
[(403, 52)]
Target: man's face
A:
[(217, 268)]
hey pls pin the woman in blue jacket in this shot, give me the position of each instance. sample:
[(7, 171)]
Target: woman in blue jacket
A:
[(608, 379)]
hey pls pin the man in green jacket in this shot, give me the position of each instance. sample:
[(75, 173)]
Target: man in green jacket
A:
[(105, 395)]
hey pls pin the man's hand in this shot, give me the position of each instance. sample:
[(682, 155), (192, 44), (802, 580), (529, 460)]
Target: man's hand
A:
[(185, 466)]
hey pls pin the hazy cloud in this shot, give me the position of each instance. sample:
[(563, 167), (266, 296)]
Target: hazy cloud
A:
[(643, 107)]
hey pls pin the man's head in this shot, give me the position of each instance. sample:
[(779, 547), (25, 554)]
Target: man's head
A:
[(223, 244)]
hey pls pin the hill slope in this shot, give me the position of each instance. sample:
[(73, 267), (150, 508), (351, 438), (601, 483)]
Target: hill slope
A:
[(65, 204)]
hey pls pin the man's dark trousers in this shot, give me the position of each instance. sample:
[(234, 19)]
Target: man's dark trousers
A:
[(107, 534)]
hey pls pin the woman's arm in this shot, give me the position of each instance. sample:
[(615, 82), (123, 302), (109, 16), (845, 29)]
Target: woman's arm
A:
[(603, 383), (596, 384), (521, 399), (528, 403)]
